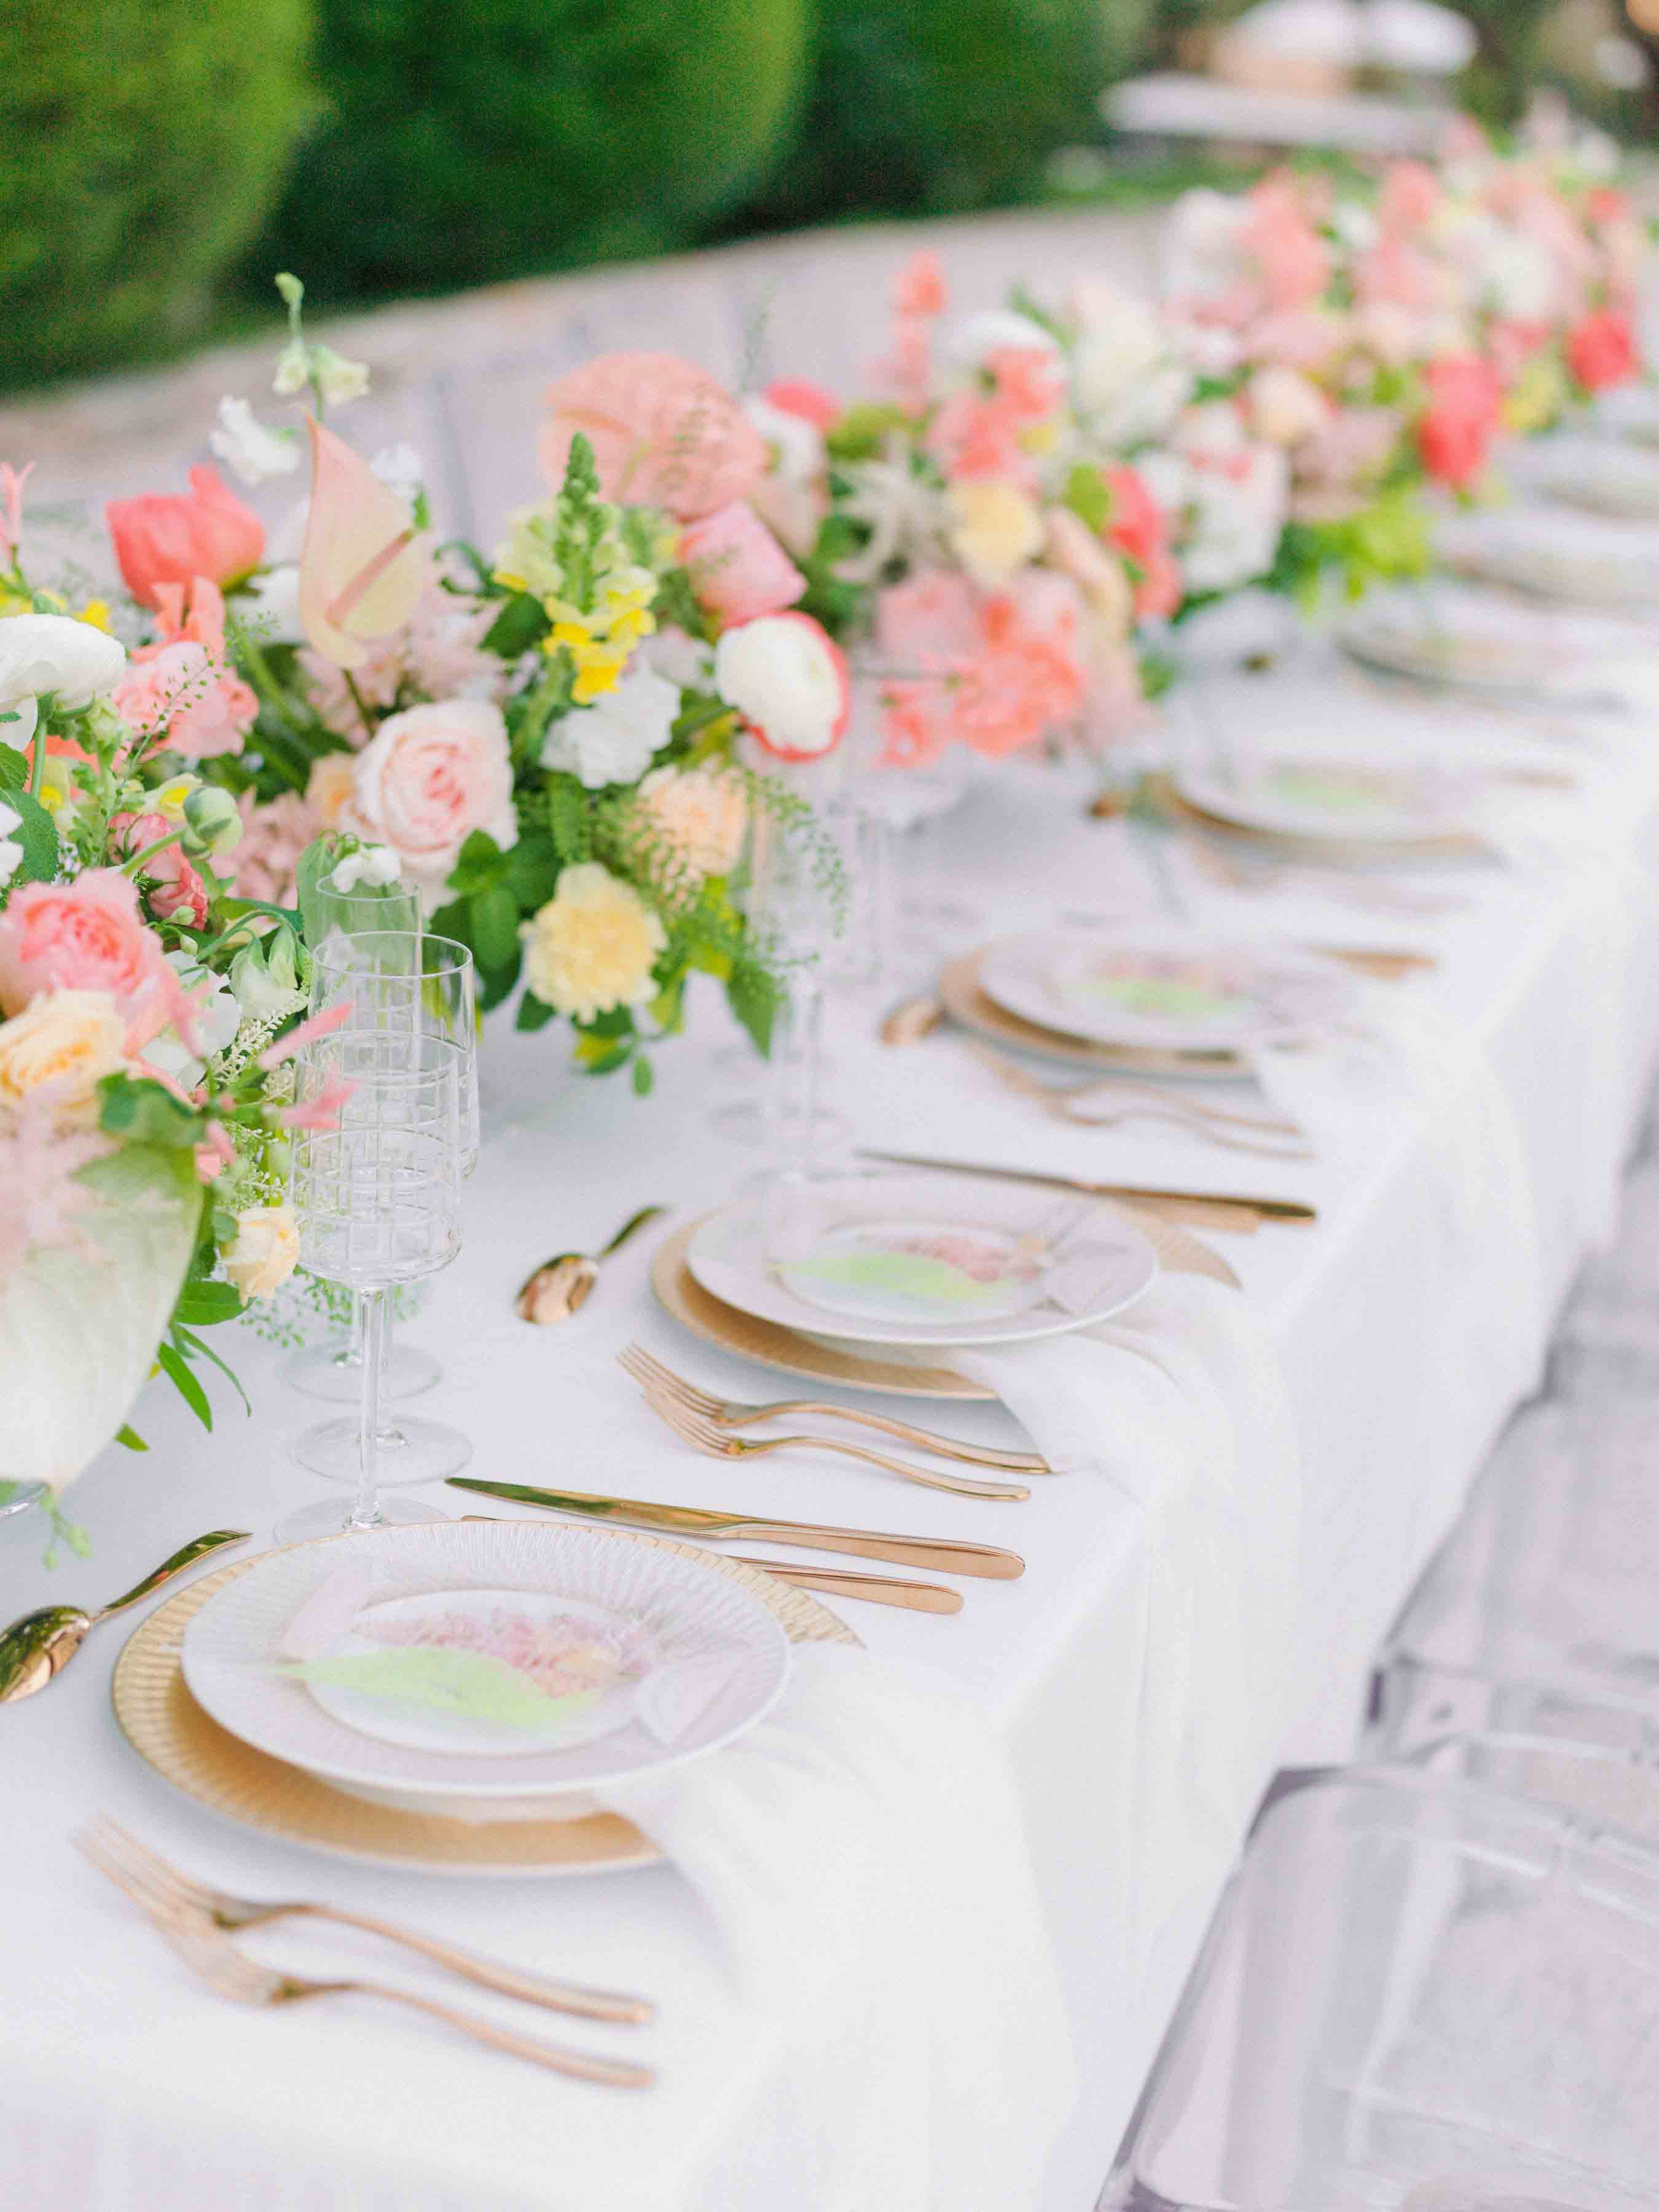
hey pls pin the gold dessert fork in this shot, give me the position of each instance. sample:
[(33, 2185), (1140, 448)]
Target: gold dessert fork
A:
[(736, 1413), (720, 1444), (210, 1954), (150, 1877)]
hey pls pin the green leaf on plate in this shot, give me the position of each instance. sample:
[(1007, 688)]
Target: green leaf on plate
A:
[(470, 1684)]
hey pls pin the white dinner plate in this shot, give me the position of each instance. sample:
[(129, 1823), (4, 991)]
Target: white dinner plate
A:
[(1602, 475), (1166, 989), (642, 1657), (937, 1260), (1592, 560), (1481, 640), (1350, 801)]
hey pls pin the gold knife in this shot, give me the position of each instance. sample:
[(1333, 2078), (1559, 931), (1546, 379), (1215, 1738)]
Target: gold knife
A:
[(1270, 1209), (877, 1589), (945, 1555)]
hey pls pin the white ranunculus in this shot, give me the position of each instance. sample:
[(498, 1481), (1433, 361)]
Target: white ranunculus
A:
[(11, 853), (251, 449), (54, 653), (613, 740), (788, 681), (969, 342)]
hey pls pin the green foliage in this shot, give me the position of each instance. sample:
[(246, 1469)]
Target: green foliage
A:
[(142, 145), (947, 104), (466, 144)]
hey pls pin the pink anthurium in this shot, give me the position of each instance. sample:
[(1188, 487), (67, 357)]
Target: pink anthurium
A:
[(365, 564)]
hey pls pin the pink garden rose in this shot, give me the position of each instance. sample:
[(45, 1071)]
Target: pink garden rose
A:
[(663, 433), (1455, 433), (430, 777), (185, 684), (1603, 350), (737, 568), (89, 935), (176, 892)]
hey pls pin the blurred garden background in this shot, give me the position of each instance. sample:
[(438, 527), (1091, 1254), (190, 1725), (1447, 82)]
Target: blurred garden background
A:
[(158, 164)]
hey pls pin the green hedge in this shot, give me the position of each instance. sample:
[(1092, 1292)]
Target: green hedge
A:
[(470, 140), (141, 142), (948, 104)]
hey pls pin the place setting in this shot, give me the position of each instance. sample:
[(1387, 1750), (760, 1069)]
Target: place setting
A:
[(1489, 644)]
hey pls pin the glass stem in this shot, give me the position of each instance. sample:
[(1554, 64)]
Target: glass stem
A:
[(351, 1353), (365, 1512)]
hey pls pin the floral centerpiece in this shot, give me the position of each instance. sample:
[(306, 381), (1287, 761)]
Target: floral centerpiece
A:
[(147, 1019), (559, 746)]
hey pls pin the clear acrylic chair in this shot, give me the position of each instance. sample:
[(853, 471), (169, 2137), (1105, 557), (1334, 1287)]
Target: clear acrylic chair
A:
[(1418, 1995), (1539, 1617)]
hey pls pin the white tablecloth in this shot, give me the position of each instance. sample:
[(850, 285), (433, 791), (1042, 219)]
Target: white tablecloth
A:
[(122, 2086)]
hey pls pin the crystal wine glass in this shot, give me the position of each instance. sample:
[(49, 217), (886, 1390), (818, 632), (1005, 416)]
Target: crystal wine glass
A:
[(333, 1368), (418, 989), (377, 1197)]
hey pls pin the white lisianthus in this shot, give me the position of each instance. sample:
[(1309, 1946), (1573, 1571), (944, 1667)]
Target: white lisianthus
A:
[(56, 654), (788, 681), (374, 865), (969, 342), (613, 740), (1120, 343), (266, 1249), (11, 853), (401, 470), (251, 449)]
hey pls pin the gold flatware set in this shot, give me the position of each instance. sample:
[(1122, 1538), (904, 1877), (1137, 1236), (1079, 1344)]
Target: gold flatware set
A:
[(42, 1644), (198, 1932)]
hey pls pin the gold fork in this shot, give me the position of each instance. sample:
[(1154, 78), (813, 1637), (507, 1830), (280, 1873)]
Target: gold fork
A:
[(169, 1890), (736, 1413), (210, 1954), (720, 1444)]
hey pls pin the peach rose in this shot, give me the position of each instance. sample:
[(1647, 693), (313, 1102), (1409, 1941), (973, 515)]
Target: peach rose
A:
[(68, 1039), (328, 793), (737, 568), (264, 1251), (663, 433), (428, 778), (1100, 575), (89, 935), (700, 814)]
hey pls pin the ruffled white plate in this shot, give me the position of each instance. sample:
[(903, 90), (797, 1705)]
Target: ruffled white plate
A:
[(779, 1259), (725, 1657), (1481, 640), (1308, 795), (1602, 475), (1593, 560), (1165, 989)]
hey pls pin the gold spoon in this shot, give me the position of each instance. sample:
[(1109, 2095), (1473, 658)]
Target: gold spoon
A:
[(40, 1644), (555, 1289)]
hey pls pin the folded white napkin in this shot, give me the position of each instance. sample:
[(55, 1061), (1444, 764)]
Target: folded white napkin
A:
[(1181, 1405), (862, 1853)]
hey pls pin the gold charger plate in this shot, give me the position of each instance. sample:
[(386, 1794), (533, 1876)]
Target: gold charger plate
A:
[(165, 1726), (769, 1344), (965, 1002)]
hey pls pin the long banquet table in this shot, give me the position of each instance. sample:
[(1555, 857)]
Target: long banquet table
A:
[(123, 2084)]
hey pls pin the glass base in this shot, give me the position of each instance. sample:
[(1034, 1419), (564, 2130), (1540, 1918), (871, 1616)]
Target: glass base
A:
[(333, 1372), (21, 1498), (745, 1122), (411, 1450), (333, 1517)]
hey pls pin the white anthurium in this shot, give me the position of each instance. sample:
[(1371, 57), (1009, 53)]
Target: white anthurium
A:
[(613, 740), (251, 449), (55, 654), (79, 1327)]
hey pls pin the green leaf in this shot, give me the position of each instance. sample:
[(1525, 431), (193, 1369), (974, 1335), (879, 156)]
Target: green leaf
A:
[(1088, 496), (642, 1077), (315, 862), (481, 863), (14, 769), (753, 997), (36, 833), (200, 1304), (533, 1014), (492, 925), (862, 430), (533, 870), (174, 1364), (521, 624), (195, 1345), (130, 1438), (569, 821), (145, 1113)]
